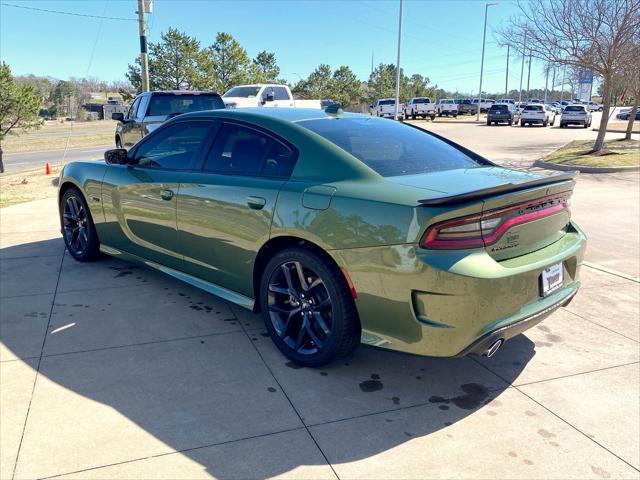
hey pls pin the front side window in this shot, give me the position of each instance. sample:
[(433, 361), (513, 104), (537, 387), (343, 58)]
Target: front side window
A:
[(173, 147), (243, 151), (390, 148), (134, 107), (244, 92)]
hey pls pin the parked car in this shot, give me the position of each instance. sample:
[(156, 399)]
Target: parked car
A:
[(466, 106), (420, 106), (502, 113), (386, 107), (534, 100), (557, 107), (537, 113), (485, 105), (447, 106), (520, 106), (265, 95), (564, 104), (336, 231), (575, 115), (595, 107), (625, 114), (507, 100), (150, 109)]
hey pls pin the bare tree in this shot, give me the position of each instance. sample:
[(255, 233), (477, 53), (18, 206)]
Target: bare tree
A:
[(587, 34), (630, 78)]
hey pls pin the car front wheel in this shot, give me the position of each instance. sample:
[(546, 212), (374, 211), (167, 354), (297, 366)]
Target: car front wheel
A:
[(78, 230), (308, 308)]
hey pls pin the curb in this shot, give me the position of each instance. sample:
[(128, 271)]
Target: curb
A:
[(614, 131), (583, 168)]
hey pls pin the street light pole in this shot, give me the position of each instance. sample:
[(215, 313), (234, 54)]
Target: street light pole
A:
[(524, 48), (506, 77), (398, 63), (546, 85), (144, 55), (484, 37)]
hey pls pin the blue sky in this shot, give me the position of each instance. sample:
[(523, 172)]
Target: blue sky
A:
[(301, 33)]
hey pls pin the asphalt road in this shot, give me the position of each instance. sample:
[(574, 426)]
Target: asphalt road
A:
[(16, 162)]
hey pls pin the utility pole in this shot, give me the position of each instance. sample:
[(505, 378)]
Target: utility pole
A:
[(144, 55), (398, 64), (553, 82), (529, 75), (506, 77), (524, 48), (484, 37), (564, 72)]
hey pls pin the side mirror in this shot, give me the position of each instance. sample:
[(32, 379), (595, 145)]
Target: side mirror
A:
[(370, 106), (269, 97), (118, 116), (116, 156)]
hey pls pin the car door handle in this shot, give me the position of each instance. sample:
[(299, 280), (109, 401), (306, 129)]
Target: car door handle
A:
[(256, 203), (166, 194)]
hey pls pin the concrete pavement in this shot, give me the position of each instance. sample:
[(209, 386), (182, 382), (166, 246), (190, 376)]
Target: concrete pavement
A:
[(113, 371)]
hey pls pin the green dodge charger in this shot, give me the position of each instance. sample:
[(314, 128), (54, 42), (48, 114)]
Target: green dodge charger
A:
[(339, 228)]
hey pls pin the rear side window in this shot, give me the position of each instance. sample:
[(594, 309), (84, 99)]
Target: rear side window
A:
[(173, 147), (243, 151), (390, 148), (183, 103)]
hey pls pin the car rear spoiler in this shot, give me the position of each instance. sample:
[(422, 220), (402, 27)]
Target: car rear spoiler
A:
[(504, 188)]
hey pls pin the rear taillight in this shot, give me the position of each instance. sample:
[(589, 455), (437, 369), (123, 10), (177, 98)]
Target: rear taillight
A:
[(484, 229)]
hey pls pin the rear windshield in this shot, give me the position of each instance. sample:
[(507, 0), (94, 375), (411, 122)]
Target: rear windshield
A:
[(499, 108), (174, 104), (244, 92), (534, 108), (574, 108), (390, 148), (386, 102), (422, 100)]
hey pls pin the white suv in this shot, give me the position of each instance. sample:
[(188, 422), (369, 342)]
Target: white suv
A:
[(447, 106), (575, 115), (537, 113), (386, 107)]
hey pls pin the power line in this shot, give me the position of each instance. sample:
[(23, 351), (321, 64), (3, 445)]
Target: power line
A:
[(4, 4)]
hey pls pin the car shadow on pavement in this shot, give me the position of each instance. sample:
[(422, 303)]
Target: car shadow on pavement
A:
[(127, 384)]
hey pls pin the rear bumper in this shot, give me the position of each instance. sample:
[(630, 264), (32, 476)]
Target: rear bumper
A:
[(450, 303)]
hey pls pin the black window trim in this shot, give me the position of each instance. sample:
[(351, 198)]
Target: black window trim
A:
[(194, 161), (256, 128)]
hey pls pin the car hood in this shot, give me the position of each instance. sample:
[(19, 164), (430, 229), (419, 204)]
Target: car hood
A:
[(455, 182)]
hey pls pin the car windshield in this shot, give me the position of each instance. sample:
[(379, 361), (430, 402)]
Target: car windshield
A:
[(390, 148), (386, 102), (183, 103), (499, 108), (244, 92), (574, 108), (533, 108)]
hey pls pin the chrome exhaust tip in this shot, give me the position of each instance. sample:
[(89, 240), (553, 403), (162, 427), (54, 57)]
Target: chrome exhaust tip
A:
[(495, 346)]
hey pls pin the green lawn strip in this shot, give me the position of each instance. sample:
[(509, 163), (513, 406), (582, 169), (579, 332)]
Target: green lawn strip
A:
[(617, 153)]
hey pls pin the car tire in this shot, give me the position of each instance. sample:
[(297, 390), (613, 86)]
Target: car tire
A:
[(510, 122), (433, 117), (313, 336), (522, 124), (586, 125), (545, 123), (488, 123), (118, 142), (78, 230), (413, 115)]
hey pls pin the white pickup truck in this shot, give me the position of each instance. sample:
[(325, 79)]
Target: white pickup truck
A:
[(265, 95), (447, 106), (420, 106)]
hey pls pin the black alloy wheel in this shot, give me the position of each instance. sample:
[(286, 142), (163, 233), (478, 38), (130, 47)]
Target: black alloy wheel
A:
[(78, 229), (307, 308)]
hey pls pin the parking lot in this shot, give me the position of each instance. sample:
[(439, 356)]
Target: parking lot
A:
[(110, 370)]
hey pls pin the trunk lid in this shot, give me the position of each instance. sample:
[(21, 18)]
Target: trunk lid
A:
[(520, 212)]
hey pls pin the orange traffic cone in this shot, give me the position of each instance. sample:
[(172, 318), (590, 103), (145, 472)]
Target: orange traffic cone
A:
[(47, 169)]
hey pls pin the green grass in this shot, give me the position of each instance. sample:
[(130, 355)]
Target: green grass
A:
[(26, 186), (616, 153)]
